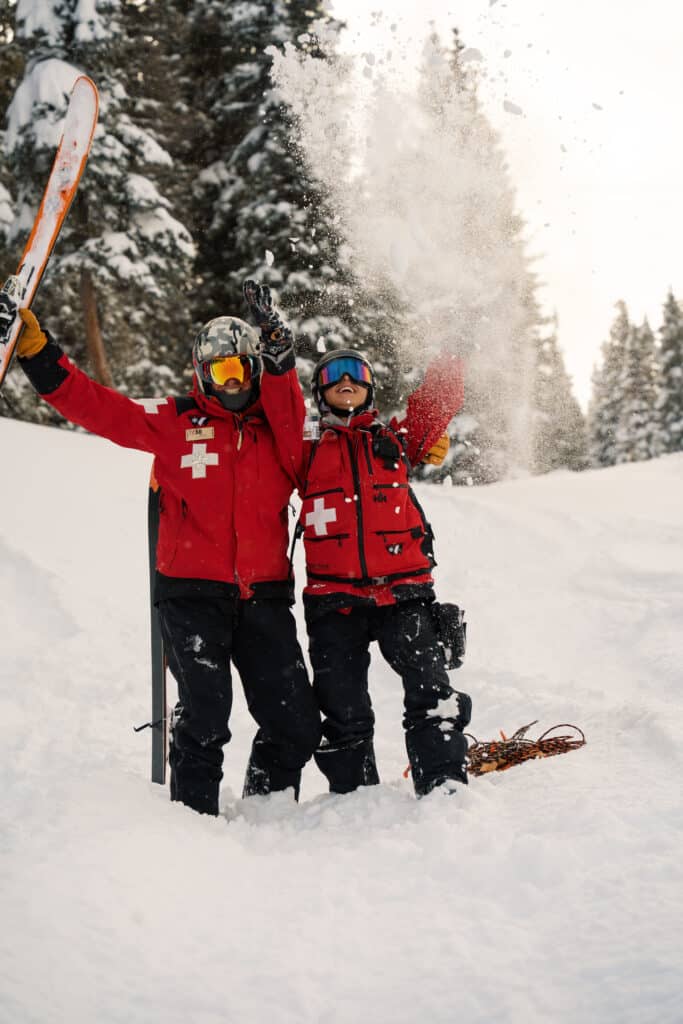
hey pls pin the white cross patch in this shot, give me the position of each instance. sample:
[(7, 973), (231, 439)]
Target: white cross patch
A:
[(151, 405), (320, 517), (198, 460)]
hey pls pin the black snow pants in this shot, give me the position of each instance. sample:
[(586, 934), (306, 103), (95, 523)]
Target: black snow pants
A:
[(340, 656), (201, 637)]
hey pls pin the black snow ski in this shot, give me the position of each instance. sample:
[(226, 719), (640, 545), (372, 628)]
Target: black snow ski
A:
[(160, 714)]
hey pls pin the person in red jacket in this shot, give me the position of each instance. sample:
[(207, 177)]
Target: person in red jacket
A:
[(369, 563), (223, 581)]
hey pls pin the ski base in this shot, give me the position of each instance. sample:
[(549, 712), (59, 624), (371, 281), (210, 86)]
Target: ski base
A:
[(67, 169)]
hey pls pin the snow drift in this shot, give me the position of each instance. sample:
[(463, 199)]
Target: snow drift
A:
[(550, 892)]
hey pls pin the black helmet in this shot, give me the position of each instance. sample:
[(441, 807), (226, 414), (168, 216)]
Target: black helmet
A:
[(220, 338), (350, 362)]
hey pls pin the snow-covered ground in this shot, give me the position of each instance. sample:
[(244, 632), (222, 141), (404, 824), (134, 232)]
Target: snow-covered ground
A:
[(549, 893)]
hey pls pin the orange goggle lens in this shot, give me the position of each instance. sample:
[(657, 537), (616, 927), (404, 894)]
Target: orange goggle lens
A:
[(229, 368)]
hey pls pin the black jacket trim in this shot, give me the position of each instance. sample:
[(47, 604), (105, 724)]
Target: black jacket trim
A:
[(316, 606), (185, 403), (43, 369), (166, 587), (369, 581)]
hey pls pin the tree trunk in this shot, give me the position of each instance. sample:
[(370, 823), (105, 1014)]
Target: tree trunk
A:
[(93, 334)]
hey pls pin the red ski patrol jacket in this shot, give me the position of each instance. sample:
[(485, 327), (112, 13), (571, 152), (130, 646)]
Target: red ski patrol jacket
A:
[(224, 492), (365, 534)]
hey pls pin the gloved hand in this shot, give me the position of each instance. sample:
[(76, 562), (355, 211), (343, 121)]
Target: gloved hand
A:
[(277, 348), (438, 452), (8, 311), (273, 330), (32, 339)]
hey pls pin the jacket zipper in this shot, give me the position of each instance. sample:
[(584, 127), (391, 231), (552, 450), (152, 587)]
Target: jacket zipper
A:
[(238, 423), (319, 494), (359, 508), (329, 536), (367, 453)]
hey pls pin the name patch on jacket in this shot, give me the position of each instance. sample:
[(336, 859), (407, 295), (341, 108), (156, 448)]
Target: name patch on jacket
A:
[(200, 434)]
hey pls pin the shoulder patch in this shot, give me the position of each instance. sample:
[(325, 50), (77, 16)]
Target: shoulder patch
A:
[(151, 405)]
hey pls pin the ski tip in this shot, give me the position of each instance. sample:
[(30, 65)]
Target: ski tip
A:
[(85, 85), (86, 81)]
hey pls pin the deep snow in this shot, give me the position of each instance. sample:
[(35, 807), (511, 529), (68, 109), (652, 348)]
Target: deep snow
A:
[(548, 893)]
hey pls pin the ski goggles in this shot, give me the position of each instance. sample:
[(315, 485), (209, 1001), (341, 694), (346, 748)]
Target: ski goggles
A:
[(356, 369), (220, 371)]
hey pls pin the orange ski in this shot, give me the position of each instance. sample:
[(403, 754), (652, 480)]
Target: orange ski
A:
[(69, 164)]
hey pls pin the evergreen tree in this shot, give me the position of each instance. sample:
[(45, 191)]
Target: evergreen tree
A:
[(637, 427), (118, 275), (669, 383), (604, 408), (559, 438), (11, 67), (263, 214)]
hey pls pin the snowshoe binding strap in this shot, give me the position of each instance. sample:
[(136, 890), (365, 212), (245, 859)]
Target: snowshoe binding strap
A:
[(499, 755)]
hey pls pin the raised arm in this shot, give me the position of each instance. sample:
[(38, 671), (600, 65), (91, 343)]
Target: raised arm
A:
[(82, 400), (433, 405), (281, 395)]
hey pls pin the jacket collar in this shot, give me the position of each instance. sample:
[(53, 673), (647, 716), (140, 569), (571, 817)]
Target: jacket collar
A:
[(213, 407), (363, 421)]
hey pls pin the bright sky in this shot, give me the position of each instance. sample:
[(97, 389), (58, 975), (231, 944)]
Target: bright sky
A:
[(596, 154)]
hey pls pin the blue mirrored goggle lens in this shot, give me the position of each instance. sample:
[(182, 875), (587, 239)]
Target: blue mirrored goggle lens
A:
[(333, 372)]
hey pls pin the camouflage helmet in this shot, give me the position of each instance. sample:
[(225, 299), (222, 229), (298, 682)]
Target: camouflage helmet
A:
[(227, 336)]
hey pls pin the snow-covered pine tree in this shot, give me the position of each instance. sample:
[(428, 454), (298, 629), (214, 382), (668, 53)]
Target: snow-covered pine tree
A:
[(117, 277), (605, 404), (263, 214), (497, 313), (11, 67), (669, 383), (636, 437), (559, 428)]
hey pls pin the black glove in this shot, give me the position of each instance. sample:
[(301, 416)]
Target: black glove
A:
[(8, 311), (276, 338)]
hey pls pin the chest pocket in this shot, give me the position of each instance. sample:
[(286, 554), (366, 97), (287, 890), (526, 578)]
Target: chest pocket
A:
[(328, 514), (386, 486), (327, 467)]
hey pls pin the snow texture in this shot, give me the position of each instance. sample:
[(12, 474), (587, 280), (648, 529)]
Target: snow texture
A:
[(6, 212), (46, 83), (39, 16), (551, 892), (46, 17)]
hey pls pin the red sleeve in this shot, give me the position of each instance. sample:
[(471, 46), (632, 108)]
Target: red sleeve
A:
[(283, 404), (433, 405), (103, 411)]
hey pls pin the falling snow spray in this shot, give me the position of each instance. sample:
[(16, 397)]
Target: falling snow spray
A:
[(420, 188)]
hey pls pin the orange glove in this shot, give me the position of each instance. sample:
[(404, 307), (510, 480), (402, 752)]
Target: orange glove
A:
[(32, 338), (438, 452)]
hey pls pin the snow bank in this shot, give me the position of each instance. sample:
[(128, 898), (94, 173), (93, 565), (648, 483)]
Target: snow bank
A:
[(547, 893)]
